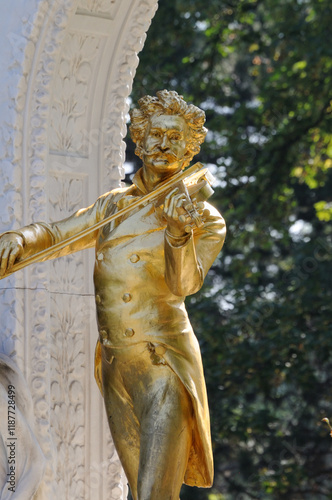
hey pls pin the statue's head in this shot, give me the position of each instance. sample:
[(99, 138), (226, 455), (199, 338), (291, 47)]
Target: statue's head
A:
[(168, 103)]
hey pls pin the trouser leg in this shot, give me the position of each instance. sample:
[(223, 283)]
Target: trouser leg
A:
[(124, 426), (151, 420), (166, 434)]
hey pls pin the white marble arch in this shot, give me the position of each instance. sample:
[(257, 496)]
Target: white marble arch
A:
[(66, 70)]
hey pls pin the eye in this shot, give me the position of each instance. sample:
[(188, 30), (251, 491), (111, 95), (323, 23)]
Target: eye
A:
[(175, 136), (155, 133)]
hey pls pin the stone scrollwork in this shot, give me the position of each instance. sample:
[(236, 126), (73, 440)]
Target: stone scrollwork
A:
[(102, 8), (67, 393)]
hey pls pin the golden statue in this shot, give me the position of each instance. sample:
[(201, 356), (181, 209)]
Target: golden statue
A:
[(153, 248)]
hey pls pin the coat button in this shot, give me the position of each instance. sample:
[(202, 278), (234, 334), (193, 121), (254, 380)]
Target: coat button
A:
[(129, 332), (100, 256), (126, 297), (134, 258), (160, 350), (103, 338), (103, 334), (98, 299)]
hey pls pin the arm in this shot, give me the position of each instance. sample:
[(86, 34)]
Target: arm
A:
[(189, 257), (29, 240)]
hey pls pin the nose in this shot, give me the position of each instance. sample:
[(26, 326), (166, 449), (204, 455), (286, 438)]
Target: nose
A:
[(164, 142)]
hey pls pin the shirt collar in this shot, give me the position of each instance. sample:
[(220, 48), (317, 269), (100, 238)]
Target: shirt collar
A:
[(138, 181)]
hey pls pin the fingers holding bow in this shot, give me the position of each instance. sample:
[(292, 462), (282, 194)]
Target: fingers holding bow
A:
[(174, 201), (181, 213)]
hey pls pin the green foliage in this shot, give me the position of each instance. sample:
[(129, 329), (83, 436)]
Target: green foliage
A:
[(262, 71)]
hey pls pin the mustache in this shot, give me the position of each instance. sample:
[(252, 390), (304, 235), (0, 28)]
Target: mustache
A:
[(158, 151)]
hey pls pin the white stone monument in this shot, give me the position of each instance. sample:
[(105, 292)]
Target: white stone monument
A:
[(66, 71)]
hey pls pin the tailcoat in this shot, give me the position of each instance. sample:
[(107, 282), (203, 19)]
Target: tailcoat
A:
[(141, 279)]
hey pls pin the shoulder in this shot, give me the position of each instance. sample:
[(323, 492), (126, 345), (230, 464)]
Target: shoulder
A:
[(214, 213), (112, 197), (117, 192), (214, 224)]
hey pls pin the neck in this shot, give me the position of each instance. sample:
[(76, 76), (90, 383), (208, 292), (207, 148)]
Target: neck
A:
[(152, 179)]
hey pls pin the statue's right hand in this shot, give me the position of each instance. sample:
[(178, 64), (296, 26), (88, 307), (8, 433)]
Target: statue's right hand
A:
[(11, 248)]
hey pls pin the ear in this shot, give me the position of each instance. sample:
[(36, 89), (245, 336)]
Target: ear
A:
[(188, 156), (139, 151)]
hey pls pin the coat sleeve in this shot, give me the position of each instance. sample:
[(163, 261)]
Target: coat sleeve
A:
[(41, 235), (187, 265)]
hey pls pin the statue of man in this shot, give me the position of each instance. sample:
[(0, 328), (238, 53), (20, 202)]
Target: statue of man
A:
[(148, 364)]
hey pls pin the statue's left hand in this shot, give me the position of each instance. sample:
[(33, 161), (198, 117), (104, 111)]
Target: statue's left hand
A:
[(173, 209), (11, 248), (176, 212)]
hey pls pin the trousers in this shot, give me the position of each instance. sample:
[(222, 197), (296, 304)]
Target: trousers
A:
[(150, 416)]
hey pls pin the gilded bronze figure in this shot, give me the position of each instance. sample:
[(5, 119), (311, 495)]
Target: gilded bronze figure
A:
[(148, 364)]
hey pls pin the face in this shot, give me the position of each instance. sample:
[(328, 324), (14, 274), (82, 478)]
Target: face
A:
[(165, 143)]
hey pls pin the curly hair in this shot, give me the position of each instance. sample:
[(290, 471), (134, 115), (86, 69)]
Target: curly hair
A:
[(168, 103)]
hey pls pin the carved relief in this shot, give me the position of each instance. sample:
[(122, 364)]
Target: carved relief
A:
[(68, 321), (99, 8), (38, 327), (66, 194), (69, 125), (69, 317), (35, 142), (115, 477), (12, 324), (66, 197), (38, 303)]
